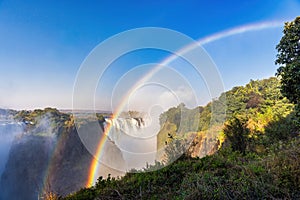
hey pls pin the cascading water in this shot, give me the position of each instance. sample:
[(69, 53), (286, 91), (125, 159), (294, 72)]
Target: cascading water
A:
[(136, 138), (130, 126)]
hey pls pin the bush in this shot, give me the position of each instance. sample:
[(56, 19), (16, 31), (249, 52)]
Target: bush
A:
[(237, 133)]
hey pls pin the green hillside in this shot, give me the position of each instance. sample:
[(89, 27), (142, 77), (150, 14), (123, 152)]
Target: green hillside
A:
[(267, 167)]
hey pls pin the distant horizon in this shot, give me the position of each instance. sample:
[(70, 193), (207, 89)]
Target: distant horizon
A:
[(70, 110)]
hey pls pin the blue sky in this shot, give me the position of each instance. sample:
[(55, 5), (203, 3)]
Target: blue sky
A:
[(43, 43)]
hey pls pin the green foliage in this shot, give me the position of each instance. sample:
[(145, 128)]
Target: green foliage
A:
[(185, 119), (225, 175), (163, 138), (43, 122), (267, 112), (260, 102), (174, 149), (261, 163), (176, 123), (289, 58), (237, 133), (280, 130)]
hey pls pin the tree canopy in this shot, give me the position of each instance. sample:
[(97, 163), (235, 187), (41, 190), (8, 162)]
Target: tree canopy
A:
[(288, 58)]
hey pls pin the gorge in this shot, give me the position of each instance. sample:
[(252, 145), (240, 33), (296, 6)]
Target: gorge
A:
[(41, 151)]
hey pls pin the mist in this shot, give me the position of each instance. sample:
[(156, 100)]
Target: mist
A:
[(137, 142), (9, 130), (25, 147)]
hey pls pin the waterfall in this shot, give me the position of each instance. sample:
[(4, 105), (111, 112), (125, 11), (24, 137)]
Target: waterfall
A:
[(131, 126), (136, 138)]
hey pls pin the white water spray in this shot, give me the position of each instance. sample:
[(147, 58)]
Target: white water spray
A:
[(136, 138), (9, 129)]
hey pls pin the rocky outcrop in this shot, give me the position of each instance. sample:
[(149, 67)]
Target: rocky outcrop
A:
[(202, 146)]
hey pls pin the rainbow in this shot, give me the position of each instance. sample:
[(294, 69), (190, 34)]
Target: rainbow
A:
[(242, 29), (46, 187), (95, 162), (209, 39)]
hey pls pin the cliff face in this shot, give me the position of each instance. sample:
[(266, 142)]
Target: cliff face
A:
[(70, 163), (197, 144), (194, 143), (48, 157), (203, 145), (192, 128)]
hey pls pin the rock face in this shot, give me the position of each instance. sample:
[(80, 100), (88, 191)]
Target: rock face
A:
[(202, 146), (70, 163), (48, 157), (196, 144)]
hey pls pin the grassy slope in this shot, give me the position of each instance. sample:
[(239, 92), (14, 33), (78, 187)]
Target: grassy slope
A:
[(225, 175)]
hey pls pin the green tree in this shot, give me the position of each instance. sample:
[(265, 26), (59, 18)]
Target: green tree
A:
[(288, 58), (237, 133)]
